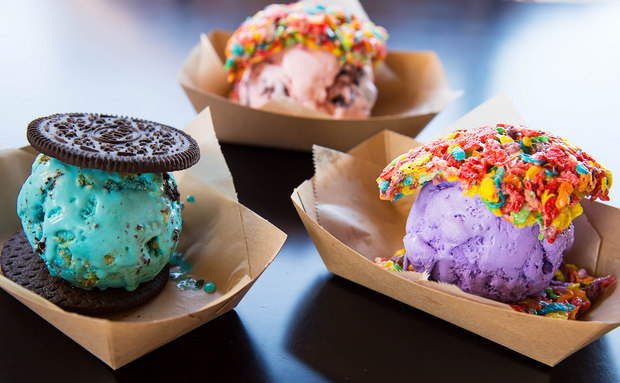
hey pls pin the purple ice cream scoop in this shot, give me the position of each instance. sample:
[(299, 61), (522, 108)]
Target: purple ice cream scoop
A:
[(458, 240)]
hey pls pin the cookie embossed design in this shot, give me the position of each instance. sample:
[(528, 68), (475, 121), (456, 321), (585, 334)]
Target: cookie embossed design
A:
[(117, 134), (113, 143)]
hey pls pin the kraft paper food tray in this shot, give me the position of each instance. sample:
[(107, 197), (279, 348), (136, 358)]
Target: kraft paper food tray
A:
[(412, 89), (228, 244), (350, 226)]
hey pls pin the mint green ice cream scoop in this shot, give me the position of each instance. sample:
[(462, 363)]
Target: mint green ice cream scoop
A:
[(100, 229)]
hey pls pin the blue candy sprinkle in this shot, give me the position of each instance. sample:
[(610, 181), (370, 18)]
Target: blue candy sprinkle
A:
[(237, 49), (383, 185), (499, 174), (310, 10), (458, 153), (528, 158), (190, 198), (498, 204), (551, 172), (329, 32), (377, 34), (551, 307), (582, 169), (209, 287)]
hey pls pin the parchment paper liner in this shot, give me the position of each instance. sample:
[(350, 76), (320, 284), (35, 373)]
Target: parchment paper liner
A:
[(228, 244), (413, 88), (350, 226)]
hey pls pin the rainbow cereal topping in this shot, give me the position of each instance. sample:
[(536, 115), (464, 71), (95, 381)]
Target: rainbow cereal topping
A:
[(569, 295), (355, 41), (523, 175)]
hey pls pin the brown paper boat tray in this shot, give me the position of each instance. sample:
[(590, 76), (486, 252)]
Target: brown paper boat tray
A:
[(227, 243), (412, 86), (350, 226)]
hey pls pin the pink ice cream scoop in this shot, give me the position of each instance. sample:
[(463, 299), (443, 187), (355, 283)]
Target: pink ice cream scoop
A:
[(320, 56), (312, 77), (458, 240)]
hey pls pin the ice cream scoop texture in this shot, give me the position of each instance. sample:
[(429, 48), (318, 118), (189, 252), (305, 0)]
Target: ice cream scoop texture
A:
[(314, 78), (457, 240), (100, 229)]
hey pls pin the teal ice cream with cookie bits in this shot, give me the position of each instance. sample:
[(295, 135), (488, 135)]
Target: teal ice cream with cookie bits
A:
[(100, 229), (100, 206)]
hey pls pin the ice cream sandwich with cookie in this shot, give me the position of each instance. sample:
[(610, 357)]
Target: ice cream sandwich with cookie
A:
[(101, 212)]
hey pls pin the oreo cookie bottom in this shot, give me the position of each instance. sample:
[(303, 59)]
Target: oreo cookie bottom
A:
[(20, 264)]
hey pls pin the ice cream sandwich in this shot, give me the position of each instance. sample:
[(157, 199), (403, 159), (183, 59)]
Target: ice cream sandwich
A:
[(100, 210)]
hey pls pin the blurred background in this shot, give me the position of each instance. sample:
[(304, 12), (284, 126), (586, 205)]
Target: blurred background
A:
[(556, 61)]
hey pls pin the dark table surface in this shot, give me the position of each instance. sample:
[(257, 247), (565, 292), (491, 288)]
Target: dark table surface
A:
[(557, 62)]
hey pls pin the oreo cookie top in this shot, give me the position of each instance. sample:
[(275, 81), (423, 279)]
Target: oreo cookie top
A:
[(113, 143)]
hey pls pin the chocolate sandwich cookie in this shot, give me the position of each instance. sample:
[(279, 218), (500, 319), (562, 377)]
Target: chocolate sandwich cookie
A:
[(100, 212), (23, 266), (113, 143)]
